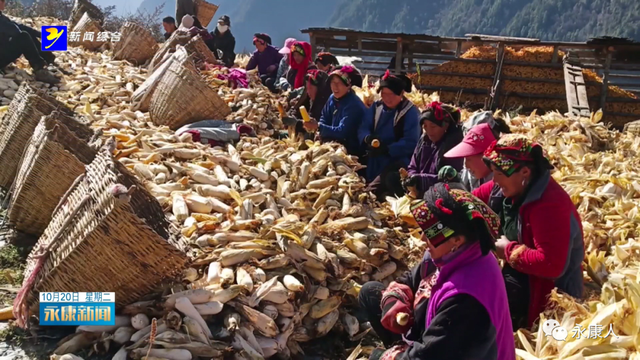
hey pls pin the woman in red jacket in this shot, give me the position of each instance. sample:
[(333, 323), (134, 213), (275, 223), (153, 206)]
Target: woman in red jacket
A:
[(541, 232)]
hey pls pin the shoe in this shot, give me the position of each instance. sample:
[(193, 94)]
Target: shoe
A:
[(46, 76)]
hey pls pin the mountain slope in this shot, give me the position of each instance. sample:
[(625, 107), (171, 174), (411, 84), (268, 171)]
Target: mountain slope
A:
[(568, 20), (278, 18)]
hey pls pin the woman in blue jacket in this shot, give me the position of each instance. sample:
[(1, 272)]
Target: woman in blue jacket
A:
[(390, 132), (342, 115)]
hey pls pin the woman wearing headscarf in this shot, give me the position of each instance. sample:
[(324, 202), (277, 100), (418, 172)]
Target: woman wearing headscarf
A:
[(224, 42), (454, 302), (315, 96), (283, 67), (541, 231), (390, 131), (472, 148), (299, 64), (441, 132), (326, 61), (342, 115), (266, 58)]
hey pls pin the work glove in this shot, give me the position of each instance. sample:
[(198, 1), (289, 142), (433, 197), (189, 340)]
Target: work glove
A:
[(448, 174), (397, 299), (411, 182), (391, 354)]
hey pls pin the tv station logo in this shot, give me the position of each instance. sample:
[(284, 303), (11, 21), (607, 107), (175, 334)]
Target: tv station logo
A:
[(77, 308)]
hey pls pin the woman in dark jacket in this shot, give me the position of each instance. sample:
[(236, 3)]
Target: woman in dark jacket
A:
[(299, 64), (441, 125), (224, 42), (542, 241), (326, 61), (454, 302), (390, 132), (315, 96)]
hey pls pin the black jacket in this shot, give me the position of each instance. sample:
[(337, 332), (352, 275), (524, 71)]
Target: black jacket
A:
[(9, 28), (461, 319), (225, 43)]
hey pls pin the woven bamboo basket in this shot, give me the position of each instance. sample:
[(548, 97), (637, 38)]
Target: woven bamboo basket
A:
[(80, 7), (182, 97), (54, 158), (200, 51), (16, 128), (87, 25), (15, 237), (97, 242), (205, 12), (141, 98), (633, 127), (136, 45), (178, 37)]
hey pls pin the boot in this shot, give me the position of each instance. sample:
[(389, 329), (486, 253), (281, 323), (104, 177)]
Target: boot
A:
[(46, 76)]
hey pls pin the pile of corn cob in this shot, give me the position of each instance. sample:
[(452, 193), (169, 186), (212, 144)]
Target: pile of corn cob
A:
[(282, 231)]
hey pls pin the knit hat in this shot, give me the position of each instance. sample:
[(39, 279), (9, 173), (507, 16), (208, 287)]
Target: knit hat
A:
[(514, 151), (397, 84), (348, 74), (316, 77), (224, 19), (286, 49), (477, 140), (446, 212), (262, 37), (439, 113), (326, 58)]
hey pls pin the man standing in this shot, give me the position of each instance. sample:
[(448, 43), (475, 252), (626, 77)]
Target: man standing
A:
[(169, 25), (17, 40), (185, 7)]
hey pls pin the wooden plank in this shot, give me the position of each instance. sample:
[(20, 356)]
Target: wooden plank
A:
[(477, 76), (576, 94), (626, 76), (399, 57), (458, 49), (554, 59), (605, 82), (501, 38), (637, 116), (453, 89), (495, 88), (312, 42), (621, 100)]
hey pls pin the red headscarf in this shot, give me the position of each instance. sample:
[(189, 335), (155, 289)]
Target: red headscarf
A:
[(303, 48)]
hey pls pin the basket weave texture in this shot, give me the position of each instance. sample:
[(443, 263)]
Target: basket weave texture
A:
[(183, 97), (633, 127), (200, 51), (16, 128), (142, 96), (87, 25), (54, 158), (137, 45), (80, 7), (179, 37), (205, 12), (96, 242)]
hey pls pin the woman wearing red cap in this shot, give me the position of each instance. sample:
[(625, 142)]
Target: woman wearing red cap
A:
[(454, 302), (390, 131), (266, 58), (471, 149), (542, 241), (441, 132)]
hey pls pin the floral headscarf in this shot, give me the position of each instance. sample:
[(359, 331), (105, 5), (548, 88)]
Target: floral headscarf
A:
[(447, 210), (513, 151)]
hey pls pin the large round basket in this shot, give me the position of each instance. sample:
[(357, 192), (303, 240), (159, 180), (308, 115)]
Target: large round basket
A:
[(141, 98), (178, 37), (200, 51), (205, 12), (183, 97), (85, 6), (136, 45), (87, 25)]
